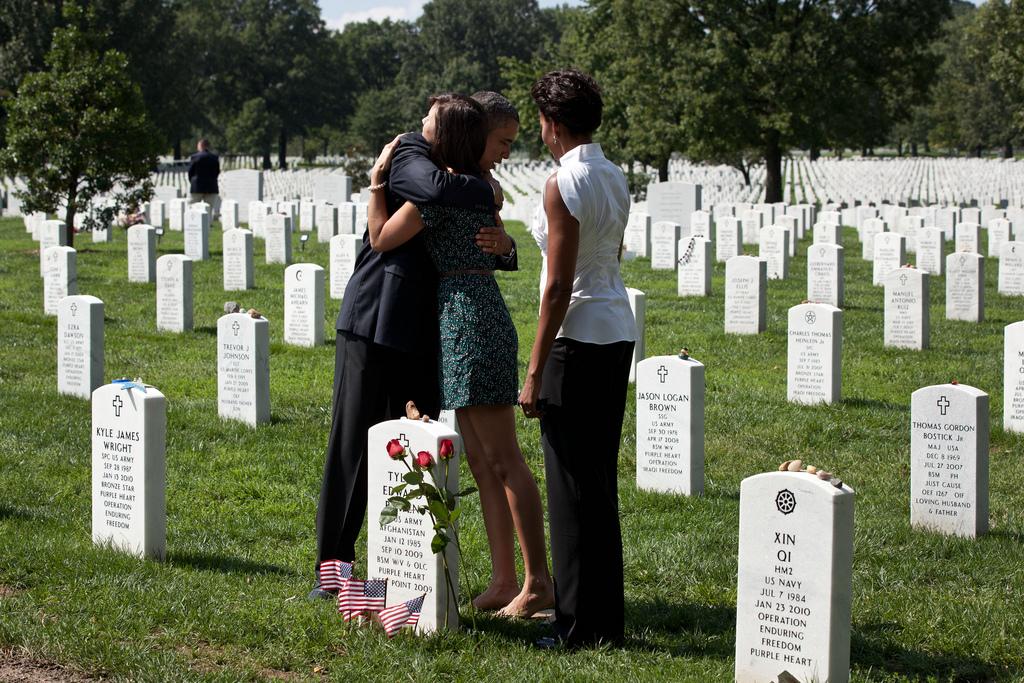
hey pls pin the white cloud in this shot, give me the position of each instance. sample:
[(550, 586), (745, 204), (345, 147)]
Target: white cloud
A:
[(408, 12)]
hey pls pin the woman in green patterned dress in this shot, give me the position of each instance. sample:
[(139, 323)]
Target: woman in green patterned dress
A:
[(478, 345)]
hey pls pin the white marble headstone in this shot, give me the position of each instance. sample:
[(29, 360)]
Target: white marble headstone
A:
[(129, 432), (869, 229), (794, 584), (774, 249), (746, 284), (825, 267), (344, 249), (638, 304), (304, 304), (701, 225), (730, 239), (79, 345), (673, 201), (1013, 377), (142, 253), (930, 245), (228, 215), (965, 287), (243, 368), (906, 318), (968, 237), (890, 255), (347, 218), (1011, 268), (949, 433), (670, 425), (637, 235), (664, 243), (693, 277), (197, 235), (815, 353), (61, 277), (174, 286), (401, 550), (277, 232), (999, 231), (326, 222), (238, 261), (51, 234)]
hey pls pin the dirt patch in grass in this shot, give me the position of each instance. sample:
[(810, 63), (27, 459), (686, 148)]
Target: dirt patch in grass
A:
[(17, 667), (8, 592)]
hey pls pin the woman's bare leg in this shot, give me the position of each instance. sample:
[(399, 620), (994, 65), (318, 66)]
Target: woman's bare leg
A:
[(495, 429), (504, 585)]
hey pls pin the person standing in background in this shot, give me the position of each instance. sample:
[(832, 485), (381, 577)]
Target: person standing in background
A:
[(203, 169)]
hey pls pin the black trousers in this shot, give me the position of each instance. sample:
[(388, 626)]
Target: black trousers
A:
[(371, 384), (584, 388)]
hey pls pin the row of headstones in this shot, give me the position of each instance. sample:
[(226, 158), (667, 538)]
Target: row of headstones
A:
[(794, 580), (670, 395)]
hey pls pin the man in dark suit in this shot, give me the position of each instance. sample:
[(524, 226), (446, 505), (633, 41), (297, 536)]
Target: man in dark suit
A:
[(386, 348), (203, 169)]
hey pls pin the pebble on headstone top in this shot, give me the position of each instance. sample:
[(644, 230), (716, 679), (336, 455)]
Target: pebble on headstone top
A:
[(401, 550), (243, 368), (304, 304), (746, 284), (1013, 377), (794, 583), (129, 431), (906, 317), (79, 345), (815, 352), (670, 425), (949, 441), (965, 287)]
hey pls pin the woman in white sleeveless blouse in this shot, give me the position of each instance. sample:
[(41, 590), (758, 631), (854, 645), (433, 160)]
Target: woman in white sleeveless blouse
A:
[(579, 369)]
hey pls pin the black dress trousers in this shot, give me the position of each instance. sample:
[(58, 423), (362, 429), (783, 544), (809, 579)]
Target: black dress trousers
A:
[(584, 390), (371, 384)]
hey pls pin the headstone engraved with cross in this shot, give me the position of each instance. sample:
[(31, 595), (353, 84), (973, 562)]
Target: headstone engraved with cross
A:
[(999, 231), (142, 253), (61, 277), (949, 443), (670, 425), (129, 427), (1011, 268), (1013, 377), (238, 263), (174, 293), (344, 249), (906, 316), (304, 304), (243, 368), (815, 350), (79, 345), (965, 287), (401, 550), (794, 583), (825, 274), (51, 234)]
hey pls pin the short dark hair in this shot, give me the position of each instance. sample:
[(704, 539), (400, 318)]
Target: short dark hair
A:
[(203, 142), (499, 110), (460, 134), (571, 98)]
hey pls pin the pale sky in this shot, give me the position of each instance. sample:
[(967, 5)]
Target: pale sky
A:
[(337, 13)]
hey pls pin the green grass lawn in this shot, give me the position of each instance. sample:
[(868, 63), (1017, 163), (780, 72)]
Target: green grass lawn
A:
[(229, 601)]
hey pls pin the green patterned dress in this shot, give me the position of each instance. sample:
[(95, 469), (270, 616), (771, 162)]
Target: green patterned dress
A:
[(479, 345)]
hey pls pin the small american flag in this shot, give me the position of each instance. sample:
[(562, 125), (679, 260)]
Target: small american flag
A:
[(358, 597), (403, 614), (334, 574)]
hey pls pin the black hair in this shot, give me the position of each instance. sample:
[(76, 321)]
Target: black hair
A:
[(460, 134), (571, 98), (499, 109)]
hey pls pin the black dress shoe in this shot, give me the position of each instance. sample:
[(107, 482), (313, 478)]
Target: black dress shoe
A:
[(319, 593)]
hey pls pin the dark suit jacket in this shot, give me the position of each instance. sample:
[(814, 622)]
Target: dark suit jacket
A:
[(203, 169), (391, 298)]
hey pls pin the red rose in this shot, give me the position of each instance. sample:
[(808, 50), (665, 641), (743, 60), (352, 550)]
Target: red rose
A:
[(395, 449), (447, 449), (424, 459)]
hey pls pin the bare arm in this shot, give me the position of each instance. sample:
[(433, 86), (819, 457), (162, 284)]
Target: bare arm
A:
[(385, 232), (563, 244)]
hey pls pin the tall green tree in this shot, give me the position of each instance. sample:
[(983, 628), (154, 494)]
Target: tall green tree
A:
[(79, 130), (1008, 56)]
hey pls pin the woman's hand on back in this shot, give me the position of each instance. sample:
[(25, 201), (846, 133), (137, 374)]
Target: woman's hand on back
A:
[(383, 163)]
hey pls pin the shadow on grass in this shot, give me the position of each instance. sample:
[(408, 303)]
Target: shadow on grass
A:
[(874, 403), (870, 648), (226, 565), (9, 512), (210, 330)]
